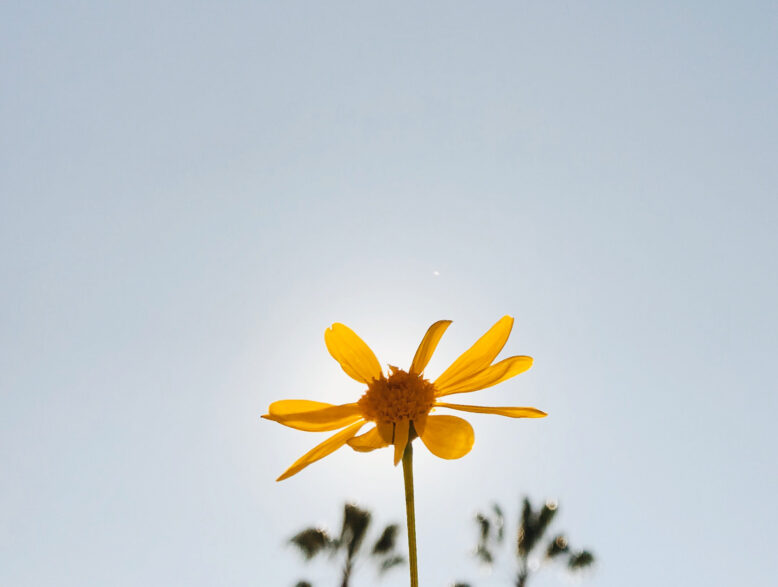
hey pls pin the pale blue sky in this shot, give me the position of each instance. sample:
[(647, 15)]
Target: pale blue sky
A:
[(192, 192)]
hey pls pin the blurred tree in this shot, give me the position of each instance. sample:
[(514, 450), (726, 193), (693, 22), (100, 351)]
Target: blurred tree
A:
[(356, 522), (533, 526)]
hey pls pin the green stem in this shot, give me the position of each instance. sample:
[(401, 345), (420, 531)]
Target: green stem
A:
[(410, 512)]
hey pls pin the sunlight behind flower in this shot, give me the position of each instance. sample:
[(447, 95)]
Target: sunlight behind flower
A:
[(192, 192)]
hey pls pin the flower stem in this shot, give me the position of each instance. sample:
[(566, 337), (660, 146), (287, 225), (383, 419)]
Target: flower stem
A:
[(410, 512)]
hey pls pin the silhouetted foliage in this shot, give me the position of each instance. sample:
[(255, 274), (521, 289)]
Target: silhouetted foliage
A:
[(485, 524), (354, 529), (532, 528), (390, 563), (311, 541), (355, 523), (388, 539), (580, 560), (557, 546), (499, 520)]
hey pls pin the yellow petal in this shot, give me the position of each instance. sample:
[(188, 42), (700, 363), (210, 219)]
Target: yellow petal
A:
[(500, 411), (493, 375), (312, 416), (479, 356), (400, 439), (428, 345), (419, 422), (448, 437), (354, 356), (320, 451), (386, 430), (368, 441)]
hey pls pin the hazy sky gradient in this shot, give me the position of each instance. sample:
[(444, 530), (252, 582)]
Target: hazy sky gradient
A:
[(190, 193)]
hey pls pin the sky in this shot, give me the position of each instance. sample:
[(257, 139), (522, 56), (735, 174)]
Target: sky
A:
[(192, 192)]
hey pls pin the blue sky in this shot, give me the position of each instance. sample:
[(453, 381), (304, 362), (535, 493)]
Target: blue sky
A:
[(191, 193)]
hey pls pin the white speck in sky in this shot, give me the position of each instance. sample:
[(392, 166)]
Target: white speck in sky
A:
[(436, 273)]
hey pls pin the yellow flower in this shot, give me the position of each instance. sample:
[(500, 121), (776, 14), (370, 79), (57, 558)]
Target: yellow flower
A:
[(399, 404)]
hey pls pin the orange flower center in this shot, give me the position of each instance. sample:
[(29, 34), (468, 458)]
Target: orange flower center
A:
[(401, 396)]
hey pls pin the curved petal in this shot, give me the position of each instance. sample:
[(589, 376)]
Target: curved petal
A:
[(500, 411), (479, 356), (419, 423), (368, 441), (312, 416), (386, 431), (320, 451), (493, 375), (354, 356), (428, 345), (400, 439), (448, 437)]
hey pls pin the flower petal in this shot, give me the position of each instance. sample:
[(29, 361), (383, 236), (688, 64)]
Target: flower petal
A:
[(312, 416), (479, 356), (428, 345), (493, 375), (386, 431), (400, 440), (354, 356), (320, 451), (448, 437), (500, 411), (419, 423), (368, 441)]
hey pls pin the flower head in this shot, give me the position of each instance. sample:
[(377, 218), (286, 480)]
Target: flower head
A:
[(400, 403)]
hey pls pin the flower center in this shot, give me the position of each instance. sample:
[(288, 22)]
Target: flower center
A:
[(401, 396)]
